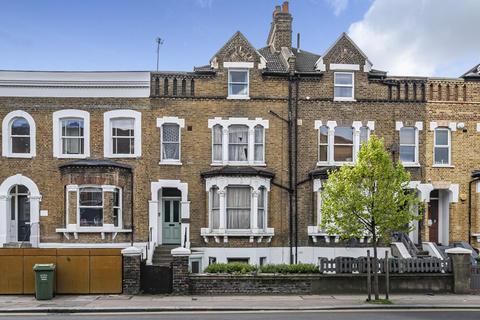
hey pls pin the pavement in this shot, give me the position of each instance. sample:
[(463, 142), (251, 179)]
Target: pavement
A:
[(168, 303)]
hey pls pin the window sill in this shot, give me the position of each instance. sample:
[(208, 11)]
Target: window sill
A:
[(253, 234), (316, 232), (344, 99), (76, 229), (72, 156), (251, 164), (122, 156), (335, 163), (411, 165), (443, 166), (19, 155), (169, 163), (238, 97)]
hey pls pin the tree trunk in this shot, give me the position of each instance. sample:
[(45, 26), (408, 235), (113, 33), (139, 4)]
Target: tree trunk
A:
[(375, 269)]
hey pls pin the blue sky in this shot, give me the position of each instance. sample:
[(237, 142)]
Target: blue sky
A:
[(120, 34)]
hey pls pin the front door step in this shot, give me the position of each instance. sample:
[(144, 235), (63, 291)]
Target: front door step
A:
[(17, 245)]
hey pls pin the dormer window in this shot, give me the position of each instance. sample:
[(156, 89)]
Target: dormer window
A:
[(238, 84), (343, 86)]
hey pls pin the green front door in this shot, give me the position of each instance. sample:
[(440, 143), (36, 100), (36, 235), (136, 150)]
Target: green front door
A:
[(171, 232)]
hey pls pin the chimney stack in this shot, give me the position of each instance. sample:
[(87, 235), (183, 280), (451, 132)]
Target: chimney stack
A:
[(281, 28)]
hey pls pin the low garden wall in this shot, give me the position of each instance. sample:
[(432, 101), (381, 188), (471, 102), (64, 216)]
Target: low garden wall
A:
[(225, 284)]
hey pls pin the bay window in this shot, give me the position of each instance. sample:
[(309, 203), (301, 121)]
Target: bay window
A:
[(90, 207), (343, 144), (238, 207)]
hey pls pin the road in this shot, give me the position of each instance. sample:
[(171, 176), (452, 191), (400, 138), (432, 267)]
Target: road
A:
[(297, 315)]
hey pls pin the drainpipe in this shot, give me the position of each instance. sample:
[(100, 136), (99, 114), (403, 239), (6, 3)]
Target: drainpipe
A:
[(295, 159), (290, 170), (131, 206), (475, 177)]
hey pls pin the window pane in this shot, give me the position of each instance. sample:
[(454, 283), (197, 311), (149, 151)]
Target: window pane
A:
[(20, 144), (343, 153), (363, 135), (259, 152), (72, 127), (261, 208), (238, 89), (91, 217), (215, 208), (343, 135), (238, 76), (258, 134), (170, 133), (91, 196), (217, 143), (238, 207), (344, 78), (323, 153), (441, 156), (123, 145), (166, 211), (171, 151), (72, 145), (171, 192), (323, 134), (407, 135), (176, 211), (115, 217), (343, 92), (116, 198), (238, 143), (441, 137), (20, 127), (123, 127), (407, 153)]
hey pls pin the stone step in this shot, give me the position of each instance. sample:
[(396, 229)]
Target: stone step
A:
[(17, 245)]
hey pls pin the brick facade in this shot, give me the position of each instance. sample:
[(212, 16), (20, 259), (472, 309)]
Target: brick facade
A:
[(284, 84)]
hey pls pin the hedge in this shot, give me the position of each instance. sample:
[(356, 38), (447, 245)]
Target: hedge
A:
[(243, 268)]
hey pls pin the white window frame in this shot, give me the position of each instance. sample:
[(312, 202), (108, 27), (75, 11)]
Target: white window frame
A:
[(6, 135), (181, 125), (225, 124), (418, 127), (331, 125), (449, 146), (452, 127), (58, 117), (107, 132), (119, 207), (239, 96), (78, 205), (222, 183), (352, 98)]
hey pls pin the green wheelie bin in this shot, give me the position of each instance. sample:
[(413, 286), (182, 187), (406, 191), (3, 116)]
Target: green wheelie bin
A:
[(44, 281)]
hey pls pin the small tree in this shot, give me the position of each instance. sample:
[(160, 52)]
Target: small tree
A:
[(369, 198)]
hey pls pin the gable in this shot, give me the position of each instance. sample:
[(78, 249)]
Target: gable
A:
[(237, 49), (345, 51)]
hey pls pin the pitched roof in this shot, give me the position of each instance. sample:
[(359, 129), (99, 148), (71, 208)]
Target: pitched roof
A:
[(473, 73), (345, 35), (274, 61), (305, 61), (238, 171)]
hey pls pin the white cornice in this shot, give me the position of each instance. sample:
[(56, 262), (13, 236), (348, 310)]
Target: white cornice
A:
[(74, 84)]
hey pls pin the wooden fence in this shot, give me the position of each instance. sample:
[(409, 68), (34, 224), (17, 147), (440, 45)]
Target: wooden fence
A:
[(78, 271), (396, 265)]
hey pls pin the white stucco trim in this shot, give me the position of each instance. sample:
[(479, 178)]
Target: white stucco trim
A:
[(107, 132), (6, 141), (331, 125), (240, 65), (451, 125), (57, 129), (154, 206), (250, 123), (181, 125), (419, 127), (91, 84), (35, 198), (344, 66)]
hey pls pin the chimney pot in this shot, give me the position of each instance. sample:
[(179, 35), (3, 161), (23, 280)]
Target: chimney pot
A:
[(285, 7)]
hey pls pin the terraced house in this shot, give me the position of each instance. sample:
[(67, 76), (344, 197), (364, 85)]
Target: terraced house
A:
[(228, 160)]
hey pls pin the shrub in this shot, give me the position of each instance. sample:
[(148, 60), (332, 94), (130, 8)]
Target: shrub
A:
[(289, 268), (233, 267)]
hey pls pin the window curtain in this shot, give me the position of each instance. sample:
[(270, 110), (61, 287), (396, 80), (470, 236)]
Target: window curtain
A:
[(259, 143), (238, 207), (217, 143), (261, 208), (215, 198), (171, 142), (238, 143)]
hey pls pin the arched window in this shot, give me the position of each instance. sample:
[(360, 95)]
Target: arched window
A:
[(18, 135), (259, 144), (323, 144), (217, 139)]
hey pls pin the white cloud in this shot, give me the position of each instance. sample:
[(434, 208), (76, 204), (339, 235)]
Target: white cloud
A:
[(204, 3), (338, 6), (420, 37)]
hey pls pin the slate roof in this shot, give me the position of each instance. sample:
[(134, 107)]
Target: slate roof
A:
[(305, 61), (274, 61), (473, 73), (238, 170), (322, 172), (205, 68)]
